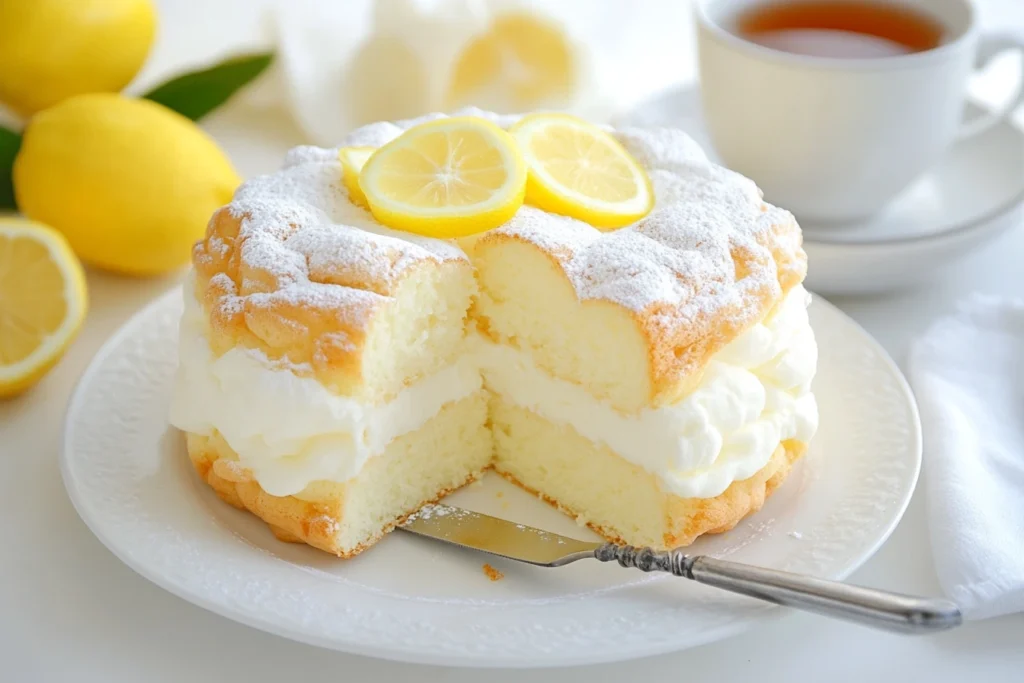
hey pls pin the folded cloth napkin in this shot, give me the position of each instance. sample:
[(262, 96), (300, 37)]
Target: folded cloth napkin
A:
[(968, 375)]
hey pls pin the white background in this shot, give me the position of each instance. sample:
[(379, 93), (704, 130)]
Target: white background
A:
[(69, 611)]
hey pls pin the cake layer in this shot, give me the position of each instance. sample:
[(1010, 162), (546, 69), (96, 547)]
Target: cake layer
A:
[(290, 430), (636, 313), (753, 394), (449, 450), (616, 498), (293, 269)]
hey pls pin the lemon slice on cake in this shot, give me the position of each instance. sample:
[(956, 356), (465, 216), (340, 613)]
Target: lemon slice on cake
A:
[(352, 161), (447, 178), (578, 170), (42, 301)]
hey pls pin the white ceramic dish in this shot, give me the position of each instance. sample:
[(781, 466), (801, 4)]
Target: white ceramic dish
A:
[(409, 599), (975, 192)]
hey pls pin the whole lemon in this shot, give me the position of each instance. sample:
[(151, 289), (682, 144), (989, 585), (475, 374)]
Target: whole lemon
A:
[(130, 183), (53, 49)]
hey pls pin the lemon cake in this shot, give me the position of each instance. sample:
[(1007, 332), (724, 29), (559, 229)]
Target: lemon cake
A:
[(653, 381)]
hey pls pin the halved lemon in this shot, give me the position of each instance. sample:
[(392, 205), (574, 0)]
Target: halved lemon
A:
[(447, 178), (42, 301), (352, 161), (578, 170), (521, 62)]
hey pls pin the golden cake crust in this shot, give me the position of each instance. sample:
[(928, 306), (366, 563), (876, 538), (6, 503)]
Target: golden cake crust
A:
[(294, 520), (710, 260), (676, 353), (283, 294), (687, 519), (291, 519)]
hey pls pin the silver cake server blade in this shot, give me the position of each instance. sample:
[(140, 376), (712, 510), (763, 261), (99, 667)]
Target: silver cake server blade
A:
[(868, 606), (497, 536)]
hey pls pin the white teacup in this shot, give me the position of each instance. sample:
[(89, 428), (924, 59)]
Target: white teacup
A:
[(834, 139)]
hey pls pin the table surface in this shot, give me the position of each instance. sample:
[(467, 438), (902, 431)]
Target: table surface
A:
[(70, 611)]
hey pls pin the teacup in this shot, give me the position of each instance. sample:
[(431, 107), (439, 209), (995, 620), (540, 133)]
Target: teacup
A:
[(833, 139)]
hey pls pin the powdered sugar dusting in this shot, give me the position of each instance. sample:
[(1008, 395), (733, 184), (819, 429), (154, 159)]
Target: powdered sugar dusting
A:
[(682, 257), (709, 243), (432, 510), (303, 242), (661, 148)]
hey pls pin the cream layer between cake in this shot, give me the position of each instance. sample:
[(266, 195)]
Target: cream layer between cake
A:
[(754, 394), (290, 430)]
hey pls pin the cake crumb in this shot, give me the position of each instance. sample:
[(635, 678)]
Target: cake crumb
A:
[(499, 494), (797, 535), (492, 573)]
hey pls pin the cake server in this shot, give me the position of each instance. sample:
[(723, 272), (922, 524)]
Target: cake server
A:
[(880, 609)]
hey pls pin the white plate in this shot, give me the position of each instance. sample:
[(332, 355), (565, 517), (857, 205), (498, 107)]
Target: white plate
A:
[(974, 192), (411, 599)]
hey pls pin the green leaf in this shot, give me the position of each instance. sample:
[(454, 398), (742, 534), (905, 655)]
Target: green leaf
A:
[(198, 93), (10, 143)]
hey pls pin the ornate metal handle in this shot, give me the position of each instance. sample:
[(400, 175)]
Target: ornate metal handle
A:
[(881, 609)]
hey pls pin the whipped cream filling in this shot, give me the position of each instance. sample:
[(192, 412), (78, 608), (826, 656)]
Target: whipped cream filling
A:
[(290, 430), (754, 394)]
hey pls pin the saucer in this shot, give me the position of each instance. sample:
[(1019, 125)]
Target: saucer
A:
[(975, 192)]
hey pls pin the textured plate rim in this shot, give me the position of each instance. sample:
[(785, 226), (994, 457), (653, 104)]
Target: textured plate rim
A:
[(198, 598)]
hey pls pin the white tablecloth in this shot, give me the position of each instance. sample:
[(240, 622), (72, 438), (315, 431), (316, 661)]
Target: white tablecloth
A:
[(70, 611)]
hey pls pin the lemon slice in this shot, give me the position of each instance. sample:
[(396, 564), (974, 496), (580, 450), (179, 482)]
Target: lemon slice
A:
[(447, 178), (352, 161), (578, 170), (42, 301), (521, 62)]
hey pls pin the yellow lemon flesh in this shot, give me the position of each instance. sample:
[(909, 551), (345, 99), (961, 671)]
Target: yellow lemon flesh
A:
[(130, 183), (42, 301), (578, 170), (53, 49), (352, 161), (522, 62), (451, 177)]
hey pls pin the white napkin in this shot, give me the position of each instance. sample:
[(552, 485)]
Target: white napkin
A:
[(968, 375), (333, 81)]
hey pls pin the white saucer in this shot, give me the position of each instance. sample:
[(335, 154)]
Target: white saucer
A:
[(975, 192), (411, 599)]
